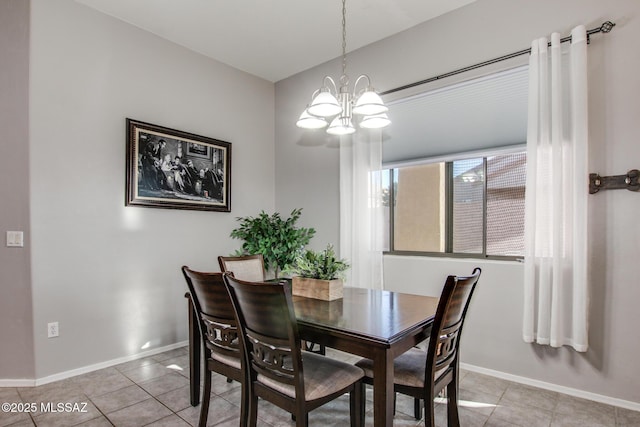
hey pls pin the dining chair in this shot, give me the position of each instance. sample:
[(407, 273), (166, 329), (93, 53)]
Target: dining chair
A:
[(278, 370), (218, 329), (246, 267), (423, 374), (251, 269)]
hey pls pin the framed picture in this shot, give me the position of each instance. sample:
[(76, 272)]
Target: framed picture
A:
[(198, 150), (168, 168)]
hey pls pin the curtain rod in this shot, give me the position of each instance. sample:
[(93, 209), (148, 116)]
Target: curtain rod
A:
[(604, 28)]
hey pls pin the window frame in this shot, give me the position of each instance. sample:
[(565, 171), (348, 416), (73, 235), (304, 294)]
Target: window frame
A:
[(448, 161)]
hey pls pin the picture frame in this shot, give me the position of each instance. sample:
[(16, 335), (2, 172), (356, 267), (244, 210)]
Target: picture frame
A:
[(198, 150), (173, 169)]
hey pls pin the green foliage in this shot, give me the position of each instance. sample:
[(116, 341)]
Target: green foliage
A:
[(278, 240), (319, 265)]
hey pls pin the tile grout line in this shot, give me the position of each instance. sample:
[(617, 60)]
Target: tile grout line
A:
[(568, 408)]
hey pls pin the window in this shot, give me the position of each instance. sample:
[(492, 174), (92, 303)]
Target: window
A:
[(467, 207)]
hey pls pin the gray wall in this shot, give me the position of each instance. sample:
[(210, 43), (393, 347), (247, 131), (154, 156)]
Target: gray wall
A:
[(16, 314), (110, 274), (307, 176)]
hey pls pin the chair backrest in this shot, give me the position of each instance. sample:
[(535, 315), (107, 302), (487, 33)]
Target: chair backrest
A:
[(444, 342), (268, 327), (249, 268), (211, 301)]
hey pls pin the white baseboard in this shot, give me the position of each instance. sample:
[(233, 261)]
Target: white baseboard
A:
[(17, 383), (86, 369), (634, 406)]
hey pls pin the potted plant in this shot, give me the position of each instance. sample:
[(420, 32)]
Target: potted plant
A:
[(318, 275), (278, 240)]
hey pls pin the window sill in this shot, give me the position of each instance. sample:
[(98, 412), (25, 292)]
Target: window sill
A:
[(510, 259)]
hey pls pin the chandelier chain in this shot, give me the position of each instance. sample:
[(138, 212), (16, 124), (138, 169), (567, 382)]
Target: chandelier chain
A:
[(334, 107), (343, 79)]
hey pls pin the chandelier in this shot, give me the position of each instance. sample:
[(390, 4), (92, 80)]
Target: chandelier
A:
[(335, 108)]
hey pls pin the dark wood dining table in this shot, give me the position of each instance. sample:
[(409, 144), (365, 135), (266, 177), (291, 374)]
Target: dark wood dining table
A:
[(376, 324)]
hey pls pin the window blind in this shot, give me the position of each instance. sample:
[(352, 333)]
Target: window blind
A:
[(477, 114)]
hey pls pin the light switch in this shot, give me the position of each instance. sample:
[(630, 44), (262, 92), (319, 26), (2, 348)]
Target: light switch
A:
[(15, 239)]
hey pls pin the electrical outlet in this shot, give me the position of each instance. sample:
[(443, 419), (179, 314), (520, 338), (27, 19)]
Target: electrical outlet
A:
[(52, 330)]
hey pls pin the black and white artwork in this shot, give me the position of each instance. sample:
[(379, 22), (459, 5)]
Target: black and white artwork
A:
[(167, 168)]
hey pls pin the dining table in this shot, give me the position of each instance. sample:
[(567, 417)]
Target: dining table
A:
[(375, 324)]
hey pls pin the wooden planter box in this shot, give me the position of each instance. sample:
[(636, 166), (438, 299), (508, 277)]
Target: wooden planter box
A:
[(327, 290)]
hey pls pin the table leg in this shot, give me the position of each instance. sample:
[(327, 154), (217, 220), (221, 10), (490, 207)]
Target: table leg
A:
[(194, 354), (383, 389)]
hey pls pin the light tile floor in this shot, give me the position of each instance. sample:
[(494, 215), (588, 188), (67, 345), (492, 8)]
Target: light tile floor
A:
[(154, 391)]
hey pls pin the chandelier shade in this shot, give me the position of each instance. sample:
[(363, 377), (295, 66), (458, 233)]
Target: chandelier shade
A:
[(309, 121), (337, 106), (324, 104), (370, 103), (341, 126), (377, 121)]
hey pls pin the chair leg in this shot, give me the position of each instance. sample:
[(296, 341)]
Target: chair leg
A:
[(417, 408), (429, 408), (453, 419), (206, 396), (429, 414), (356, 405), (244, 404), (253, 410), (302, 419)]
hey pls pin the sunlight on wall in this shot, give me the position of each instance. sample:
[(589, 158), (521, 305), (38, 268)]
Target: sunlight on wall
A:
[(135, 301), (131, 218)]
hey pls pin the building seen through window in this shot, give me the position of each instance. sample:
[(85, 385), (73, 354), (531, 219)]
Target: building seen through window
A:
[(467, 207)]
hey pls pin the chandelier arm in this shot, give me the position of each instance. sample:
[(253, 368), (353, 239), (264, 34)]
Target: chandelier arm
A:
[(333, 83), (355, 85)]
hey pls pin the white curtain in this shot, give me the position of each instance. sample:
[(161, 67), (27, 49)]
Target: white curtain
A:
[(361, 211), (556, 283)]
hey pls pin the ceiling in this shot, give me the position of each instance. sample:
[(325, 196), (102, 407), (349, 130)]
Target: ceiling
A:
[(276, 39), (268, 38)]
